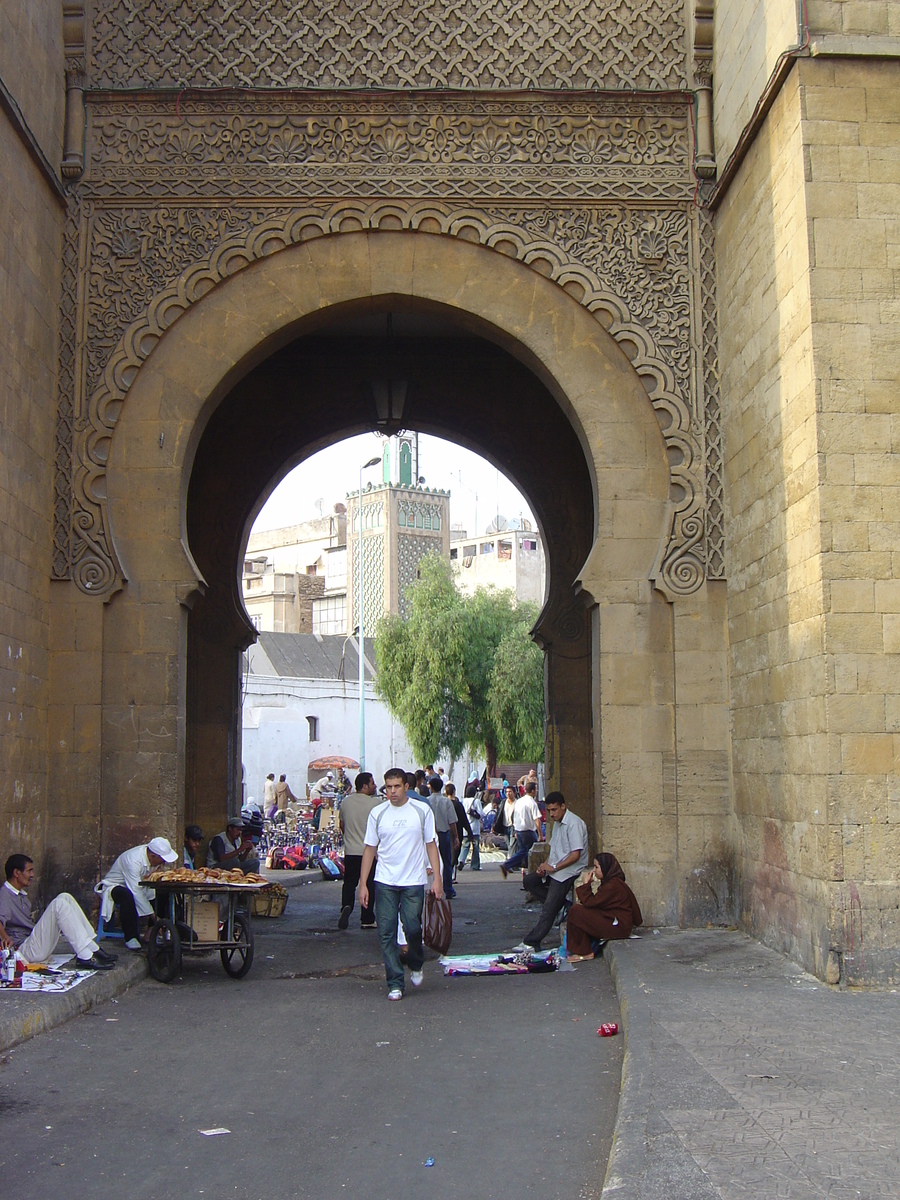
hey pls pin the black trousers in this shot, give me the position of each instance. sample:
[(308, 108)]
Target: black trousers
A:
[(352, 868), (553, 895), (128, 917)]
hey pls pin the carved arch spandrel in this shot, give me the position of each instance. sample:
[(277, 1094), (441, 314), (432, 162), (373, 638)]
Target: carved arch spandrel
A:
[(680, 562)]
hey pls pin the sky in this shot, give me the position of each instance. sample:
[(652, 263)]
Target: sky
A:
[(478, 491)]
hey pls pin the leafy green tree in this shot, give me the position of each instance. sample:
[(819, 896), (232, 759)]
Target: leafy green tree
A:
[(462, 670), (517, 696)]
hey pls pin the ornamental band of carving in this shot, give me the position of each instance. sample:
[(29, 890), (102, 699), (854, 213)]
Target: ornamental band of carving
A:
[(682, 568), (482, 44), (630, 148)]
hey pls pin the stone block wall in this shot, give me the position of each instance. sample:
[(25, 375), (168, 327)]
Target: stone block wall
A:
[(31, 219), (867, 17), (851, 138), (749, 36), (810, 334), (775, 608), (31, 62)]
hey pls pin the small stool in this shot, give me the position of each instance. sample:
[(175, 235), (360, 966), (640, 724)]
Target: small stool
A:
[(103, 932)]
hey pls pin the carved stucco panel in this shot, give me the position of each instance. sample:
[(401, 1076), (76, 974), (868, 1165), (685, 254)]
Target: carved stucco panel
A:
[(112, 364), (472, 44), (447, 147)]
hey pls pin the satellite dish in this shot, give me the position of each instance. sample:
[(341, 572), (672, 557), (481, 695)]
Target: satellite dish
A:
[(319, 505), (498, 525)]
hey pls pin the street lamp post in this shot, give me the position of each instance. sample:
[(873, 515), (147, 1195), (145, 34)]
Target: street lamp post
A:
[(361, 628)]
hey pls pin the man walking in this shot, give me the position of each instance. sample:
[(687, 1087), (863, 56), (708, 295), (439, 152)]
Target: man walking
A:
[(353, 817), (398, 831), (527, 824), (552, 880), (474, 811), (447, 834), (269, 805)]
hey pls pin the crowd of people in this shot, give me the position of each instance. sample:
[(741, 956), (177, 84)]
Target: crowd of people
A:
[(394, 838), (419, 826)]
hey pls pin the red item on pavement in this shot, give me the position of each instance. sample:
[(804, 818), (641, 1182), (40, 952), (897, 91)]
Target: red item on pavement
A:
[(608, 1029)]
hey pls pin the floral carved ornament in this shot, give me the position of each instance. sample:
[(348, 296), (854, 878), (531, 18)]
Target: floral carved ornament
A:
[(682, 567)]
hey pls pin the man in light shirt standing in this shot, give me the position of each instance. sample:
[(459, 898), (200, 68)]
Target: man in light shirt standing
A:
[(527, 824), (353, 817), (553, 878), (397, 831)]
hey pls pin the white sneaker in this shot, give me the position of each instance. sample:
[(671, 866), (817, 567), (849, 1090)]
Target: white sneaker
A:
[(416, 977), (395, 994), (133, 944), (521, 948)]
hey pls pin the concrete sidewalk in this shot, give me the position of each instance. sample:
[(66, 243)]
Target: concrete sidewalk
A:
[(25, 1014), (747, 1079)]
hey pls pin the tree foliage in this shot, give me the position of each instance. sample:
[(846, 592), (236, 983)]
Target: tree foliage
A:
[(462, 670)]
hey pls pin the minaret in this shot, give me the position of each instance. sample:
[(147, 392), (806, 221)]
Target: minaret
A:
[(400, 460)]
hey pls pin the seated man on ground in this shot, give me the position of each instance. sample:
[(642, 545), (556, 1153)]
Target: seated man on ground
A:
[(605, 907), (122, 886), (553, 878), (34, 942), (193, 836), (233, 848)]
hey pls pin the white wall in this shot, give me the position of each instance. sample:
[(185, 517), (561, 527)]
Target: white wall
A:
[(276, 733)]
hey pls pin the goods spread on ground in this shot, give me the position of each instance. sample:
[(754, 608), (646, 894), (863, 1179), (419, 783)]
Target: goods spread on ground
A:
[(536, 962)]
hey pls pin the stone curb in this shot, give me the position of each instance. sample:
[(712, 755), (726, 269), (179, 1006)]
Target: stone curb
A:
[(628, 1156), (36, 1013)]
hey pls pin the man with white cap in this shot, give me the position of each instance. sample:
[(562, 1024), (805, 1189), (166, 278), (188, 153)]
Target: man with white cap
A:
[(323, 789), (122, 886)]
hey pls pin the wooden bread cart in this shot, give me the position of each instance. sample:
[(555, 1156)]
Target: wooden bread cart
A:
[(202, 916)]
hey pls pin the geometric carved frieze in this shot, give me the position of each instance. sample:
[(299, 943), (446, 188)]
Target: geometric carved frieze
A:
[(479, 44), (682, 568), (714, 483)]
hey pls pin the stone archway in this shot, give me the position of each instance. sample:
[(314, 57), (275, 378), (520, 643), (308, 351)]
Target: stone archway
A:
[(242, 322)]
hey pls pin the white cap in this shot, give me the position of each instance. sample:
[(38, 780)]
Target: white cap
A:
[(329, 776), (161, 847)]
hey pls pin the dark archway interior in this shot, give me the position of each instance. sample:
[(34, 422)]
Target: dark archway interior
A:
[(317, 390)]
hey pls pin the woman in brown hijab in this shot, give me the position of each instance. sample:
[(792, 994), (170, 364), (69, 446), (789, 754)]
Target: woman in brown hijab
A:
[(605, 908)]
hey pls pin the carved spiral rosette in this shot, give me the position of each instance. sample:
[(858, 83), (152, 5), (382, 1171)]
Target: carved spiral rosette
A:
[(93, 570), (683, 567)]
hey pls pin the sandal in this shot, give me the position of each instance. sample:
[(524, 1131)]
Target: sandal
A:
[(579, 958)]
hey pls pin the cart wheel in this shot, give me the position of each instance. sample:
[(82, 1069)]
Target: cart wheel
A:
[(164, 951), (237, 958)]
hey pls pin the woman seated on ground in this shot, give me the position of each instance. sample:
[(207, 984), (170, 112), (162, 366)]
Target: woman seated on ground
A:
[(604, 908)]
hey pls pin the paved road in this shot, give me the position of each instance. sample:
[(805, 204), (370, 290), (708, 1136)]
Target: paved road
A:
[(327, 1089)]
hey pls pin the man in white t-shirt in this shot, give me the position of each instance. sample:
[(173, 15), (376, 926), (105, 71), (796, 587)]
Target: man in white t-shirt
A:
[(527, 824), (397, 831)]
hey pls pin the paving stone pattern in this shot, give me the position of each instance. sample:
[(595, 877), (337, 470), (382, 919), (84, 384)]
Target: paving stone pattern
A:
[(747, 1079)]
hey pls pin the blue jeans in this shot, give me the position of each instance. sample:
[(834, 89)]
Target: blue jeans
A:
[(472, 843), (407, 903), (526, 839)]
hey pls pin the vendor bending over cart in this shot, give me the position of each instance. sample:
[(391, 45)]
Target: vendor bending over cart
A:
[(122, 886)]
